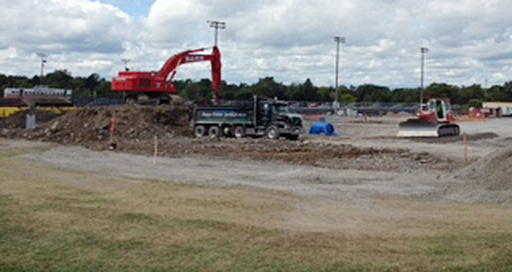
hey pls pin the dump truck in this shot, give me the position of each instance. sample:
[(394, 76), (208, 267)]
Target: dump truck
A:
[(261, 117)]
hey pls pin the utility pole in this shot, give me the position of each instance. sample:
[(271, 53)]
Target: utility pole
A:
[(339, 40), (217, 25), (424, 50), (125, 61), (43, 61)]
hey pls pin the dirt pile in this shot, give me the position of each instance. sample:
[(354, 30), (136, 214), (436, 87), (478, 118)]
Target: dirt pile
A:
[(134, 123), (492, 172)]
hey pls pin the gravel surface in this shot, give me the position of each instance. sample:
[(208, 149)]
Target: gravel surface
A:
[(365, 162), (347, 185)]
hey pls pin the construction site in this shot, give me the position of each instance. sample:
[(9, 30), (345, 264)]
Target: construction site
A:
[(364, 196), (250, 186)]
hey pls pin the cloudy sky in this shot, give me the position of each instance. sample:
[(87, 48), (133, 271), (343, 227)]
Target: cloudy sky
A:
[(469, 41)]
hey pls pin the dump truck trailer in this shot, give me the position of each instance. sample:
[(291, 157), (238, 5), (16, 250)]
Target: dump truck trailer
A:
[(260, 117)]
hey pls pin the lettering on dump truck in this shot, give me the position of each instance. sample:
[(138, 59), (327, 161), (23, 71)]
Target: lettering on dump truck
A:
[(224, 114)]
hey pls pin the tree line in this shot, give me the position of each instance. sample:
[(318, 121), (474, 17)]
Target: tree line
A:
[(370, 93), (200, 91)]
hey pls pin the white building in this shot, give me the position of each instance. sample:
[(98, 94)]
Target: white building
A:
[(501, 108)]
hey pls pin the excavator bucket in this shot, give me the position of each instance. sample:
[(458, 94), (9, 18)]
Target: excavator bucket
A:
[(417, 128)]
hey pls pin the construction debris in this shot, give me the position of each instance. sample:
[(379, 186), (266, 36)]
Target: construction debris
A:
[(491, 172), (86, 125), (136, 127)]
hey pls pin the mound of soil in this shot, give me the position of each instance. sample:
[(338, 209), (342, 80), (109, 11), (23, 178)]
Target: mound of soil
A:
[(492, 172), (94, 124)]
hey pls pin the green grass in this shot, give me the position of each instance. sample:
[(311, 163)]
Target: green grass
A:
[(128, 241)]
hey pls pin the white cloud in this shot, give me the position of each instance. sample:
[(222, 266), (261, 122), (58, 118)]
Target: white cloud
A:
[(265, 38), (63, 26), (9, 53)]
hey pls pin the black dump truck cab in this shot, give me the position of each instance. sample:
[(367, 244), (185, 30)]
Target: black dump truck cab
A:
[(260, 117)]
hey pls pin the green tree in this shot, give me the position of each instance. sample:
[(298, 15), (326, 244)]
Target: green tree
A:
[(507, 89), (496, 93), (373, 93), (268, 87), (473, 92), (347, 99), (443, 90), (59, 79), (326, 94), (91, 82), (244, 93)]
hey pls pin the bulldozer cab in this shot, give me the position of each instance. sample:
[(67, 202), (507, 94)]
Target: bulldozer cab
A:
[(439, 107)]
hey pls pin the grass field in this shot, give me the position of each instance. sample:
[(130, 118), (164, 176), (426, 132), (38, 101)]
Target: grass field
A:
[(59, 220)]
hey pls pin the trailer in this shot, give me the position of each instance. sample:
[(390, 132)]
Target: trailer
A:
[(260, 117)]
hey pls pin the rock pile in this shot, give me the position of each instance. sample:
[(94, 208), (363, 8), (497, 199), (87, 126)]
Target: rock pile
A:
[(492, 172)]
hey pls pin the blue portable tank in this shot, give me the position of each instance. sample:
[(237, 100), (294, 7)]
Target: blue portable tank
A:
[(322, 128)]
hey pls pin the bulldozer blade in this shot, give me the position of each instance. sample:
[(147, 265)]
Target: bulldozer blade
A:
[(417, 128)]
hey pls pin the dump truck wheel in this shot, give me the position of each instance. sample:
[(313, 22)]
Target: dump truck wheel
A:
[(199, 131), (227, 131), (272, 133), (214, 132), (239, 132)]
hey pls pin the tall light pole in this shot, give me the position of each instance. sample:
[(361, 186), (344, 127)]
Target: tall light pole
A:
[(125, 61), (339, 40), (217, 25), (424, 50), (43, 61)]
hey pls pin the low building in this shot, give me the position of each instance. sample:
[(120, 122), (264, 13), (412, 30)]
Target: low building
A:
[(499, 108)]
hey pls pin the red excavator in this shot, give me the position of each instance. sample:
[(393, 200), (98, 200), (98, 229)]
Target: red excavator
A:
[(139, 86), (435, 119)]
